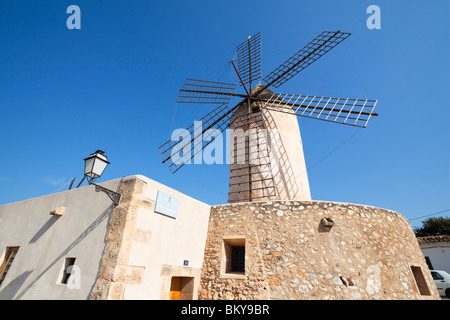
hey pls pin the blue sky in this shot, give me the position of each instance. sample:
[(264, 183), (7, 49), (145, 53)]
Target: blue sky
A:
[(113, 85)]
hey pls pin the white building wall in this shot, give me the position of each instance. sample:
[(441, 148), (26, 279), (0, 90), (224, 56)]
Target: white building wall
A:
[(172, 241), (439, 254), (46, 240)]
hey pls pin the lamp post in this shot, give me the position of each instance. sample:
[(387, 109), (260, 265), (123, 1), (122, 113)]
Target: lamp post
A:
[(94, 165)]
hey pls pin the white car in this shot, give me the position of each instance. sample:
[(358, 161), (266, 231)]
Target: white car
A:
[(442, 281)]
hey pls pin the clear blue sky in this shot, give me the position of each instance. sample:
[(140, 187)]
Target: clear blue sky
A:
[(113, 85)]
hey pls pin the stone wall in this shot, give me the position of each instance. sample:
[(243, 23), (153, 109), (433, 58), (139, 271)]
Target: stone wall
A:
[(292, 252), (115, 270)]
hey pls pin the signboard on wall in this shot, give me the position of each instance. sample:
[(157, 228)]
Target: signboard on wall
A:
[(166, 204)]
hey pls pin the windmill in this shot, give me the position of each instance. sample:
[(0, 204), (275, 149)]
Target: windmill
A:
[(274, 166)]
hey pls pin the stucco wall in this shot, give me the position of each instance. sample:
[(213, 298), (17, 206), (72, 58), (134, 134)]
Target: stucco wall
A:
[(145, 249), (289, 254), (46, 240)]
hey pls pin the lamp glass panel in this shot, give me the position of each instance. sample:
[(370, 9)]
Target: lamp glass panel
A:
[(99, 167), (88, 166)]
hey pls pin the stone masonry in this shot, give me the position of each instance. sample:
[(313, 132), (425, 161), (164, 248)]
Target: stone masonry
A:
[(115, 271), (314, 250)]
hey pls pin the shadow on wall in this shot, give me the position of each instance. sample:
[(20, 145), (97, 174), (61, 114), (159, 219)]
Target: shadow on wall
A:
[(4, 294), (271, 173), (250, 179), (9, 291), (284, 177), (44, 228)]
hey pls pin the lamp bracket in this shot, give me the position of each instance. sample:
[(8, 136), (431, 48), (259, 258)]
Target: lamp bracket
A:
[(114, 196)]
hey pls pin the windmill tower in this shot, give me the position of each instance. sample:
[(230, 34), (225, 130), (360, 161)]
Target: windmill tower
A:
[(274, 165), (266, 152)]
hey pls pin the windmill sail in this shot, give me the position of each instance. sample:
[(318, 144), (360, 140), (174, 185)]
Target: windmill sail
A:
[(353, 112), (199, 91), (323, 43), (249, 59), (195, 138)]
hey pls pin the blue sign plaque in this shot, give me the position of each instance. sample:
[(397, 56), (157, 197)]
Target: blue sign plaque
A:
[(166, 204)]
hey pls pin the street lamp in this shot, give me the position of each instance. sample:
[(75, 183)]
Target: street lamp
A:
[(94, 165)]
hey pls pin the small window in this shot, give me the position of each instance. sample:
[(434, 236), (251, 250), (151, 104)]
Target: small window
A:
[(420, 281), (234, 255), (237, 259), (10, 254), (68, 264)]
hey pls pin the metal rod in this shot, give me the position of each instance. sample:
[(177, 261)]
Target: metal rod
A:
[(240, 79), (80, 182), (71, 183)]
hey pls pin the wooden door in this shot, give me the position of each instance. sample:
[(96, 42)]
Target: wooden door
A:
[(175, 288)]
